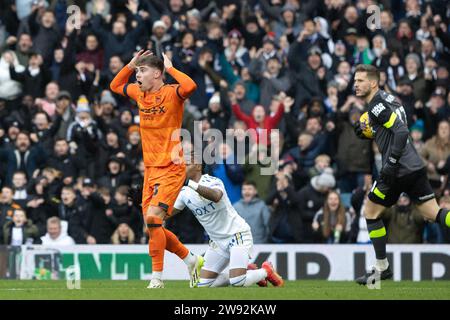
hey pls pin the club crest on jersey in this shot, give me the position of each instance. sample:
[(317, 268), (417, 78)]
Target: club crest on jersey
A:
[(377, 109)]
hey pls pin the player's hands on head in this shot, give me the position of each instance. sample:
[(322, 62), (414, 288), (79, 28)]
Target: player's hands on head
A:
[(167, 63), (141, 53)]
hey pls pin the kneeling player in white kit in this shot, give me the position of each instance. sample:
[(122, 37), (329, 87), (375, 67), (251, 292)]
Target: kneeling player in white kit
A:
[(231, 239)]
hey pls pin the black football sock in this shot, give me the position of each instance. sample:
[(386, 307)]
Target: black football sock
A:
[(443, 218), (377, 233)]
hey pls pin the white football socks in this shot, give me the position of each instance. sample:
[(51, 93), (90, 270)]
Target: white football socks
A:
[(190, 259), (382, 264)]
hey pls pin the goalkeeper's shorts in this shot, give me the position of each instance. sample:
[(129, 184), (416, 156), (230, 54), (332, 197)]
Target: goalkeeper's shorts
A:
[(416, 185)]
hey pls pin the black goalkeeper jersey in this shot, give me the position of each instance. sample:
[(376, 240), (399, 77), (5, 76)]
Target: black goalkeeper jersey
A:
[(388, 120)]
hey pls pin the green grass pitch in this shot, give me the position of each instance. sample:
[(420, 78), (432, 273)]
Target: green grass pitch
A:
[(179, 290)]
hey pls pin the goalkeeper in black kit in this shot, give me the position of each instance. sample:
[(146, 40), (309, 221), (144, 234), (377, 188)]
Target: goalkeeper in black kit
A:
[(403, 170)]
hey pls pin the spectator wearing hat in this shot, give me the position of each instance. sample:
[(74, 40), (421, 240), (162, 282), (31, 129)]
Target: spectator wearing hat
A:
[(84, 136), (287, 23), (416, 132), (259, 57), (104, 113), (115, 174), (310, 77), (253, 32), (217, 115), (236, 54), (133, 147), (311, 198), (160, 40), (380, 52), (66, 109)]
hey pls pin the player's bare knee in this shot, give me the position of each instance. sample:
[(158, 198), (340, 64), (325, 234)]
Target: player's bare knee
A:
[(429, 209), (154, 211), (372, 210), (237, 272)]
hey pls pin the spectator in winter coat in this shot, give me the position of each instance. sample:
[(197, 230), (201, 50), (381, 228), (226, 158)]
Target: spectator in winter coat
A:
[(73, 217), (404, 222), (254, 211), (34, 78), (258, 121), (19, 230), (54, 235), (285, 221), (23, 157), (7, 207), (332, 222), (226, 169), (84, 137), (310, 199)]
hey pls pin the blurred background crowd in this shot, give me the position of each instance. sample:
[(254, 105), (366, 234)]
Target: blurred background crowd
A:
[(70, 148)]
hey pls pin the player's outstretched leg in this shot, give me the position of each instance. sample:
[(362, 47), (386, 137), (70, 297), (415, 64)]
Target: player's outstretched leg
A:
[(377, 234), (192, 261)]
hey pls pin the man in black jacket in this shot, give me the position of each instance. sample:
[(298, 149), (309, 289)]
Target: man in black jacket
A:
[(73, 217)]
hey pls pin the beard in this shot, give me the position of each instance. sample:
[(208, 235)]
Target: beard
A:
[(363, 94)]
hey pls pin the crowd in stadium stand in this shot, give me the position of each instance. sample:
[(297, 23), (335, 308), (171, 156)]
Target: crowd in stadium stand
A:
[(70, 148)]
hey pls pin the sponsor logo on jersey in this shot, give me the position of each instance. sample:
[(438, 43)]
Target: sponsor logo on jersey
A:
[(377, 109)]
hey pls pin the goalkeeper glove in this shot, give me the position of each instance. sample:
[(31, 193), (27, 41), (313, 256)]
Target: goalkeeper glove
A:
[(359, 131), (389, 171)]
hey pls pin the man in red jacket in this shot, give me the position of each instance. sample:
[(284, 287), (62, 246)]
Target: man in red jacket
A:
[(259, 121)]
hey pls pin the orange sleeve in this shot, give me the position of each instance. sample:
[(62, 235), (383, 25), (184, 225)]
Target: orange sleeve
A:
[(121, 86), (187, 85)]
